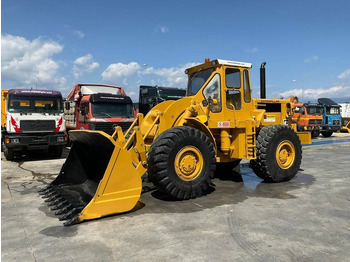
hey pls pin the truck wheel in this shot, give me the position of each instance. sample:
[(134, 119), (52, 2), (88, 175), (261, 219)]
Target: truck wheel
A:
[(9, 155), (56, 151), (315, 133), (278, 154), (327, 134), (181, 162)]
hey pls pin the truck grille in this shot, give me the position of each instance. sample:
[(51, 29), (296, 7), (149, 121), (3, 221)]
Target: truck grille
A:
[(37, 125), (109, 127), (336, 122), (315, 121)]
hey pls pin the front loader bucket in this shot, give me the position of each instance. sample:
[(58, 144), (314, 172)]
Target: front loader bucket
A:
[(99, 178)]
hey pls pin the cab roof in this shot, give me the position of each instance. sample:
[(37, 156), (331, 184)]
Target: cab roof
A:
[(216, 62)]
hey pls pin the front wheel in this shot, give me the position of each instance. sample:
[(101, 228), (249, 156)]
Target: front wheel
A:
[(181, 162), (9, 154), (279, 154), (326, 133)]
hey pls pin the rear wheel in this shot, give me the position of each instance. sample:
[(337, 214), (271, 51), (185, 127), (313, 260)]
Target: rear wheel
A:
[(181, 162), (278, 154), (326, 133)]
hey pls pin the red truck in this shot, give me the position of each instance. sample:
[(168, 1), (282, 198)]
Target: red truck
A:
[(98, 107)]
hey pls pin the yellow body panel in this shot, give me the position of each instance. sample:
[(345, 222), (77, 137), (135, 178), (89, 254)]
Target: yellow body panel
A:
[(4, 93), (345, 124)]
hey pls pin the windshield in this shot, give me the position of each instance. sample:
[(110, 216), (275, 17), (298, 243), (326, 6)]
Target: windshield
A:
[(34, 104), (169, 94), (196, 81), (314, 110), (112, 110), (333, 111)]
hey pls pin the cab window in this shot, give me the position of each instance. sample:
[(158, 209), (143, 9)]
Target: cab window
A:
[(246, 87), (233, 83), (233, 78), (212, 91)]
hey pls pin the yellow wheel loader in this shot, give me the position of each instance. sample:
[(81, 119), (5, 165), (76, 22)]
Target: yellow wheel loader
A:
[(179, 144)]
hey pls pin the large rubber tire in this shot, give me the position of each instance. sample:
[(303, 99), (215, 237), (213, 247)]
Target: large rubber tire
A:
[(56, 151), (9, 154), (181, 162), (315, 133), (327, 133), (279, 154)]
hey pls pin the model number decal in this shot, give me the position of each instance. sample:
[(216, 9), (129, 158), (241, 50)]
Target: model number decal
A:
[(223, 124)]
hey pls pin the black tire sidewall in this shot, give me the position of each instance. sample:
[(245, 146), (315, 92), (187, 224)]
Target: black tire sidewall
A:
[(277, 174), (179, 138)]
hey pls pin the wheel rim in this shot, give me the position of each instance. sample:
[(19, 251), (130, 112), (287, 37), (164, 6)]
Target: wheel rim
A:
[(188, 163), (285, 154)]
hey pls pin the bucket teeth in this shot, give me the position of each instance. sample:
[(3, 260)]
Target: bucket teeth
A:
[(64, 210), (72, 221), (49, 194), (59, 205), (56, 201), (44, 189), (53, 197), (70, 214)]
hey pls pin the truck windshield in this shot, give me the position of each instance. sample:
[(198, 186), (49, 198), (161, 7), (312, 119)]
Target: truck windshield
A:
[(314, 110), (333, 111), (171, 94), (34, 104), (197, 80), (111, 110)]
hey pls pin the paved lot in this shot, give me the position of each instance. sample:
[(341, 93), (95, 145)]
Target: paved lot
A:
[(243, 219)]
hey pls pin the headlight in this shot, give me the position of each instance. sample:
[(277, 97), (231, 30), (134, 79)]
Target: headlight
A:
[(15, 140), (60, 139)]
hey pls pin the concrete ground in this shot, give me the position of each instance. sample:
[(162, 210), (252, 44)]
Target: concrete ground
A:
[(243, 219)]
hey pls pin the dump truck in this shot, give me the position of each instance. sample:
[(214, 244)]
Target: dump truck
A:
[(150, 96), (98, 107), (308, 117), (331, 121), (32, 119), (179, 144)]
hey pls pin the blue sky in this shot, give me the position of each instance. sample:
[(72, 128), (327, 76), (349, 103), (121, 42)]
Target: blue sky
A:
[(53, 44)]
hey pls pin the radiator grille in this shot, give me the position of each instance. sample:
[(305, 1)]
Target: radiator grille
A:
[(315, 121), (37, 125), (109, 127)]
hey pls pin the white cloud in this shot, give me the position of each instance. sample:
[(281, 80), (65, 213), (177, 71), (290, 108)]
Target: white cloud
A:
[(345, 75), (28, 63), (115, 72), (161, 29), (78, 33), (313, 94), (173, 76), (311, 59), (84, 64)]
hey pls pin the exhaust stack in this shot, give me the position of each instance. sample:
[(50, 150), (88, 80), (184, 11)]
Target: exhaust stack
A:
[(262, 81)]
